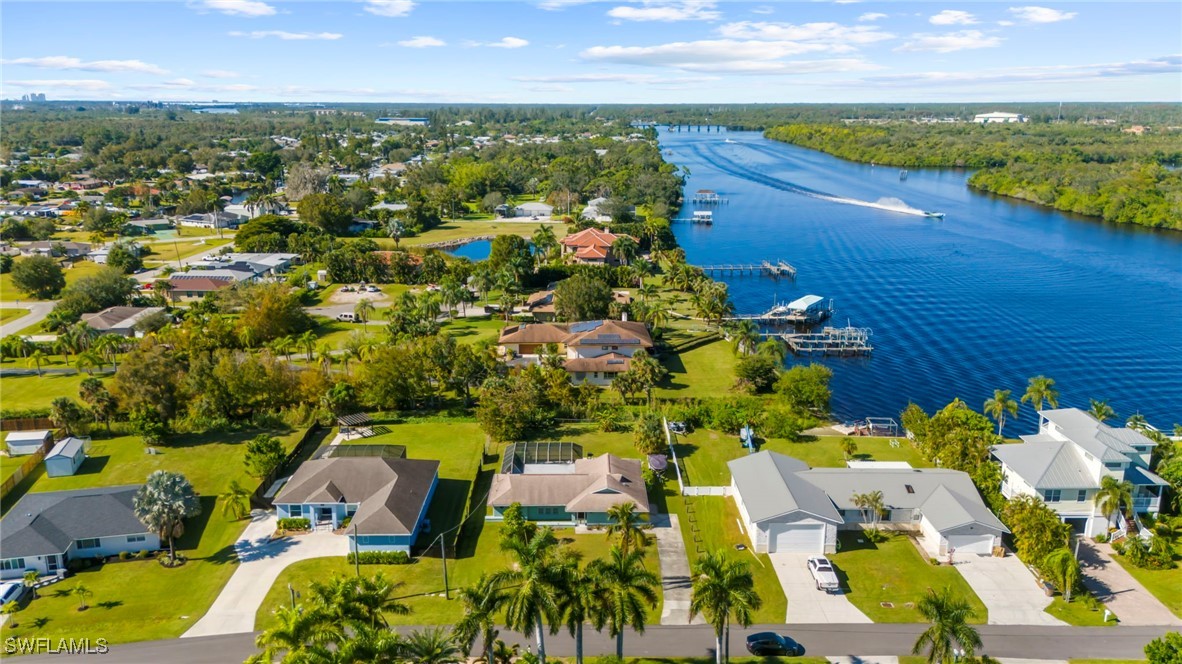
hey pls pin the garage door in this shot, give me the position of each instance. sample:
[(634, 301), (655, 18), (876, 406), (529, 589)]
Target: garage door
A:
[(796, 538), (979, 544)]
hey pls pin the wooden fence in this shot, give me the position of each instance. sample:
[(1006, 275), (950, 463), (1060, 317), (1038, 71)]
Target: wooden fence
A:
[(26, 468), (26, 423)]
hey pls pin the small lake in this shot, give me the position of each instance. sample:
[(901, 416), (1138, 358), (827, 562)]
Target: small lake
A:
[(995, 293), (475, 251)]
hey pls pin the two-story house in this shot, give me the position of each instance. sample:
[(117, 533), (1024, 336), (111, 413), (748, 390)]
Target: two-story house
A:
[(1064, 463), (596, 351)]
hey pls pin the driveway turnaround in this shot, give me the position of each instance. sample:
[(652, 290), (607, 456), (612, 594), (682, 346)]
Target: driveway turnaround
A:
[(675, 571), (37, 313), (1118, 590), (1008, 590), (259, 563), (806, 604)]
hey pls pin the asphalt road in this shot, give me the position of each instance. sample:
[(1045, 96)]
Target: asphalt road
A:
[(37, 313), (698, 641)]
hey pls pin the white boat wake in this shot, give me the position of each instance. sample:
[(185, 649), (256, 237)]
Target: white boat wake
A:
[(889, 204)]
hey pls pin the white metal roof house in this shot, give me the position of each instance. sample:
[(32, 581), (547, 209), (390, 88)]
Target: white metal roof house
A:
[(533, 209), (787, 507), (1065, 461)]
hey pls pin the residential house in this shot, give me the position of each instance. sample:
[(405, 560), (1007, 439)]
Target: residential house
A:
[(146, 226), (533, 210), (191, 286), (386, 498), (596, 351), (998, 117), (212, 220), (66, 457), (784, 506), (594, 211), (56, 248), (84, 184), (1065, 462), (44, 531), (260, 264), (24, 443), (557, 485), (120, 320), (591, 246)]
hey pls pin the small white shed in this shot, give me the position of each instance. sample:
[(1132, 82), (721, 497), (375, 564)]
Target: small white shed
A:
[(24, 443)]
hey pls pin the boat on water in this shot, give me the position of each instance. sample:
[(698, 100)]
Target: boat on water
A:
[(934, 215), (729, 141), (903, 174)]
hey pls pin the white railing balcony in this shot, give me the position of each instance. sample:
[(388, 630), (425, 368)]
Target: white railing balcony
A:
[(1147, 504)]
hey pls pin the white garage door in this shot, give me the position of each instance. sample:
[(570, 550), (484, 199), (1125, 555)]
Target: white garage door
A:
[(796, 538), (979, 544)]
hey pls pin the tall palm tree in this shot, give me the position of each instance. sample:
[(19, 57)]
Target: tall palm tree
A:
[(324, 355), (544, 243), (948, 615), (30, 579), (583, 603), (307, 340), (163, 503), (88, 361), (745, 337), (1114, 495), (1040, 389), (37, 357), (295, 630), (482, 603), (625, 525), (872, 506), (999, 405), (236, 501), (629, 590), (774, 348), (432, 645), (109, 345), (625, 249), (376, 596), (723, 589), (535, 585), (363, 310), (1101, 410), (395, 229)]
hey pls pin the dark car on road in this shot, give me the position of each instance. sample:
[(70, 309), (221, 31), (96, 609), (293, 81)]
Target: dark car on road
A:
[(764, 644)]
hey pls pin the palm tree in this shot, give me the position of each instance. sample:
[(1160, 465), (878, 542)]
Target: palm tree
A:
[(109, 345), (745, 337), (163, 503), (948, 615), (88, 361), (1113, 496), (849, 447), (625, 248), (872, 506), (629, 590), (1101, 410), (37, 357), (1137, 421), (377, 596), (82, 593), (625, 525), (999, 405), (236, 501), (482, 602), (308, 341), (504, 653), (723, 589), (30, 579), (1040, 389), (295, 631), (544, 242), (363, 310), (774, 348), (432, 645), (324, 355), (535, 585), (583, 602), (657, 316), (365, 646), (395, 229), (1063, 569)]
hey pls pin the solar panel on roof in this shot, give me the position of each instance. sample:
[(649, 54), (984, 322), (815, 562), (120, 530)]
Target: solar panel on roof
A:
[(585, 326)]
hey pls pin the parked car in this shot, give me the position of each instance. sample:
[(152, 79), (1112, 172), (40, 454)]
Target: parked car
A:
[(764, 644), (678, 427), (823, 574), (347, 289), (347, 317), (11, 591), (372, 289)]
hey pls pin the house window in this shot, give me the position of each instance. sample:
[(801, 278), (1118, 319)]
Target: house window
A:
[(1052, 495), (295, 511), (12, 563), (1081, 496), (137, 538), (1113, 465), (91, 543)]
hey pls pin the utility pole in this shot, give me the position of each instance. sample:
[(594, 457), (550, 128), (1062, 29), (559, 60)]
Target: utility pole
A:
[(356, 552), (443, 548)]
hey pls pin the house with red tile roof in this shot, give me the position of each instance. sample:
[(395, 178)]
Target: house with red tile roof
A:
[(592, 246)]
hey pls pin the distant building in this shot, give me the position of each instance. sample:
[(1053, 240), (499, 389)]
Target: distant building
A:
[(404, 122), (212, 220), (120, 320), (998, 117)]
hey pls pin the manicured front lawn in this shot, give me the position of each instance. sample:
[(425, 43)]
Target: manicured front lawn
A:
[(168, 252), (705, 371), (894, 572), (1164, 584), (459, 230), (21, 392), (73, 272), (1077, 613), (12, 313), (9, 465)]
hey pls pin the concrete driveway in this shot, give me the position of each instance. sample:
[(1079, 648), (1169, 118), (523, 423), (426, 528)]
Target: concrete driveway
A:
[(37, 313), (806, 604), (1118, 590), (1008, 590), (259, 563), (675, 570)]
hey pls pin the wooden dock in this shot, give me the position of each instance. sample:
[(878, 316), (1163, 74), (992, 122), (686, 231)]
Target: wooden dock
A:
[(841, 341), (766, 268)]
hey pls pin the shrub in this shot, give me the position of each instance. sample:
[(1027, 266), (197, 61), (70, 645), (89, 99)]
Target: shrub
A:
[(380, 558), (294, 523), (142, 554), (124, 555), (346, 521)]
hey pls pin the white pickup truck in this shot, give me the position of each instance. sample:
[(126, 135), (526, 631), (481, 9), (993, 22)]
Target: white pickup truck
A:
[(823, 574)]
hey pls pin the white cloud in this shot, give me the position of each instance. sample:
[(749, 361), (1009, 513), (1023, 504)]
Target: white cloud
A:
[(238, 7), (508, 42), (668, 12), (555, 5), (85, 85), (630, 79), (220, 73), (764, 9), (1171, 64), (838, 37), (288, 36), (950, 41), (871, 16), (953, 17), (1041, 14), (726, 56), (1005, 23), (62, 62), (422, 41), (392, 8)]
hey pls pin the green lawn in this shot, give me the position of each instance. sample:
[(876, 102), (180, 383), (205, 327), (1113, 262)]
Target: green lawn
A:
[(459, 230), (894, 572), (705, 371), (1164, 584), (9, 465), (12, 313), (21, 392), (1077, 613), (169, 252), (74, 272)]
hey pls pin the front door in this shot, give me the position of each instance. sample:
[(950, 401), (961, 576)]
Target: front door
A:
[(324, 515), (51, 564)]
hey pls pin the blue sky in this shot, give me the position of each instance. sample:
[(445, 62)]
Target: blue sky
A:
[(593, 52)]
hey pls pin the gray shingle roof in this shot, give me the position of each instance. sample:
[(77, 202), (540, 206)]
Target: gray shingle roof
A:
[(47, 523), (770, 486), (946, 509)]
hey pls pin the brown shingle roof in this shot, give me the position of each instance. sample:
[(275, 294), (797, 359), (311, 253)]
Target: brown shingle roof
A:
[(610, 363), (594, 486), (199, 284), (534, 333)]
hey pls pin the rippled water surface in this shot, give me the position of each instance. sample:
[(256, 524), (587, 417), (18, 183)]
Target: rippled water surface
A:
[(997, 292)]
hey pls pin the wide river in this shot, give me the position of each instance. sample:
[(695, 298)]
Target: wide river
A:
[(995, 293)]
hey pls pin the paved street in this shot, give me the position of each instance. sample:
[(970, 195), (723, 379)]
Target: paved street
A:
[(806, 604), (698, 641), (37, 313), (1118, 590), (1008, 590), (260, 562)]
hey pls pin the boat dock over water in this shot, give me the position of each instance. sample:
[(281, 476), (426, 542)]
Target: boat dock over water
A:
[(707, 197), (766, 268), (840, 341), (807, 310)]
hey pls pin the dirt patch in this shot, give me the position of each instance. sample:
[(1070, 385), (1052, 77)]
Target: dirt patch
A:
[(353, 298)]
